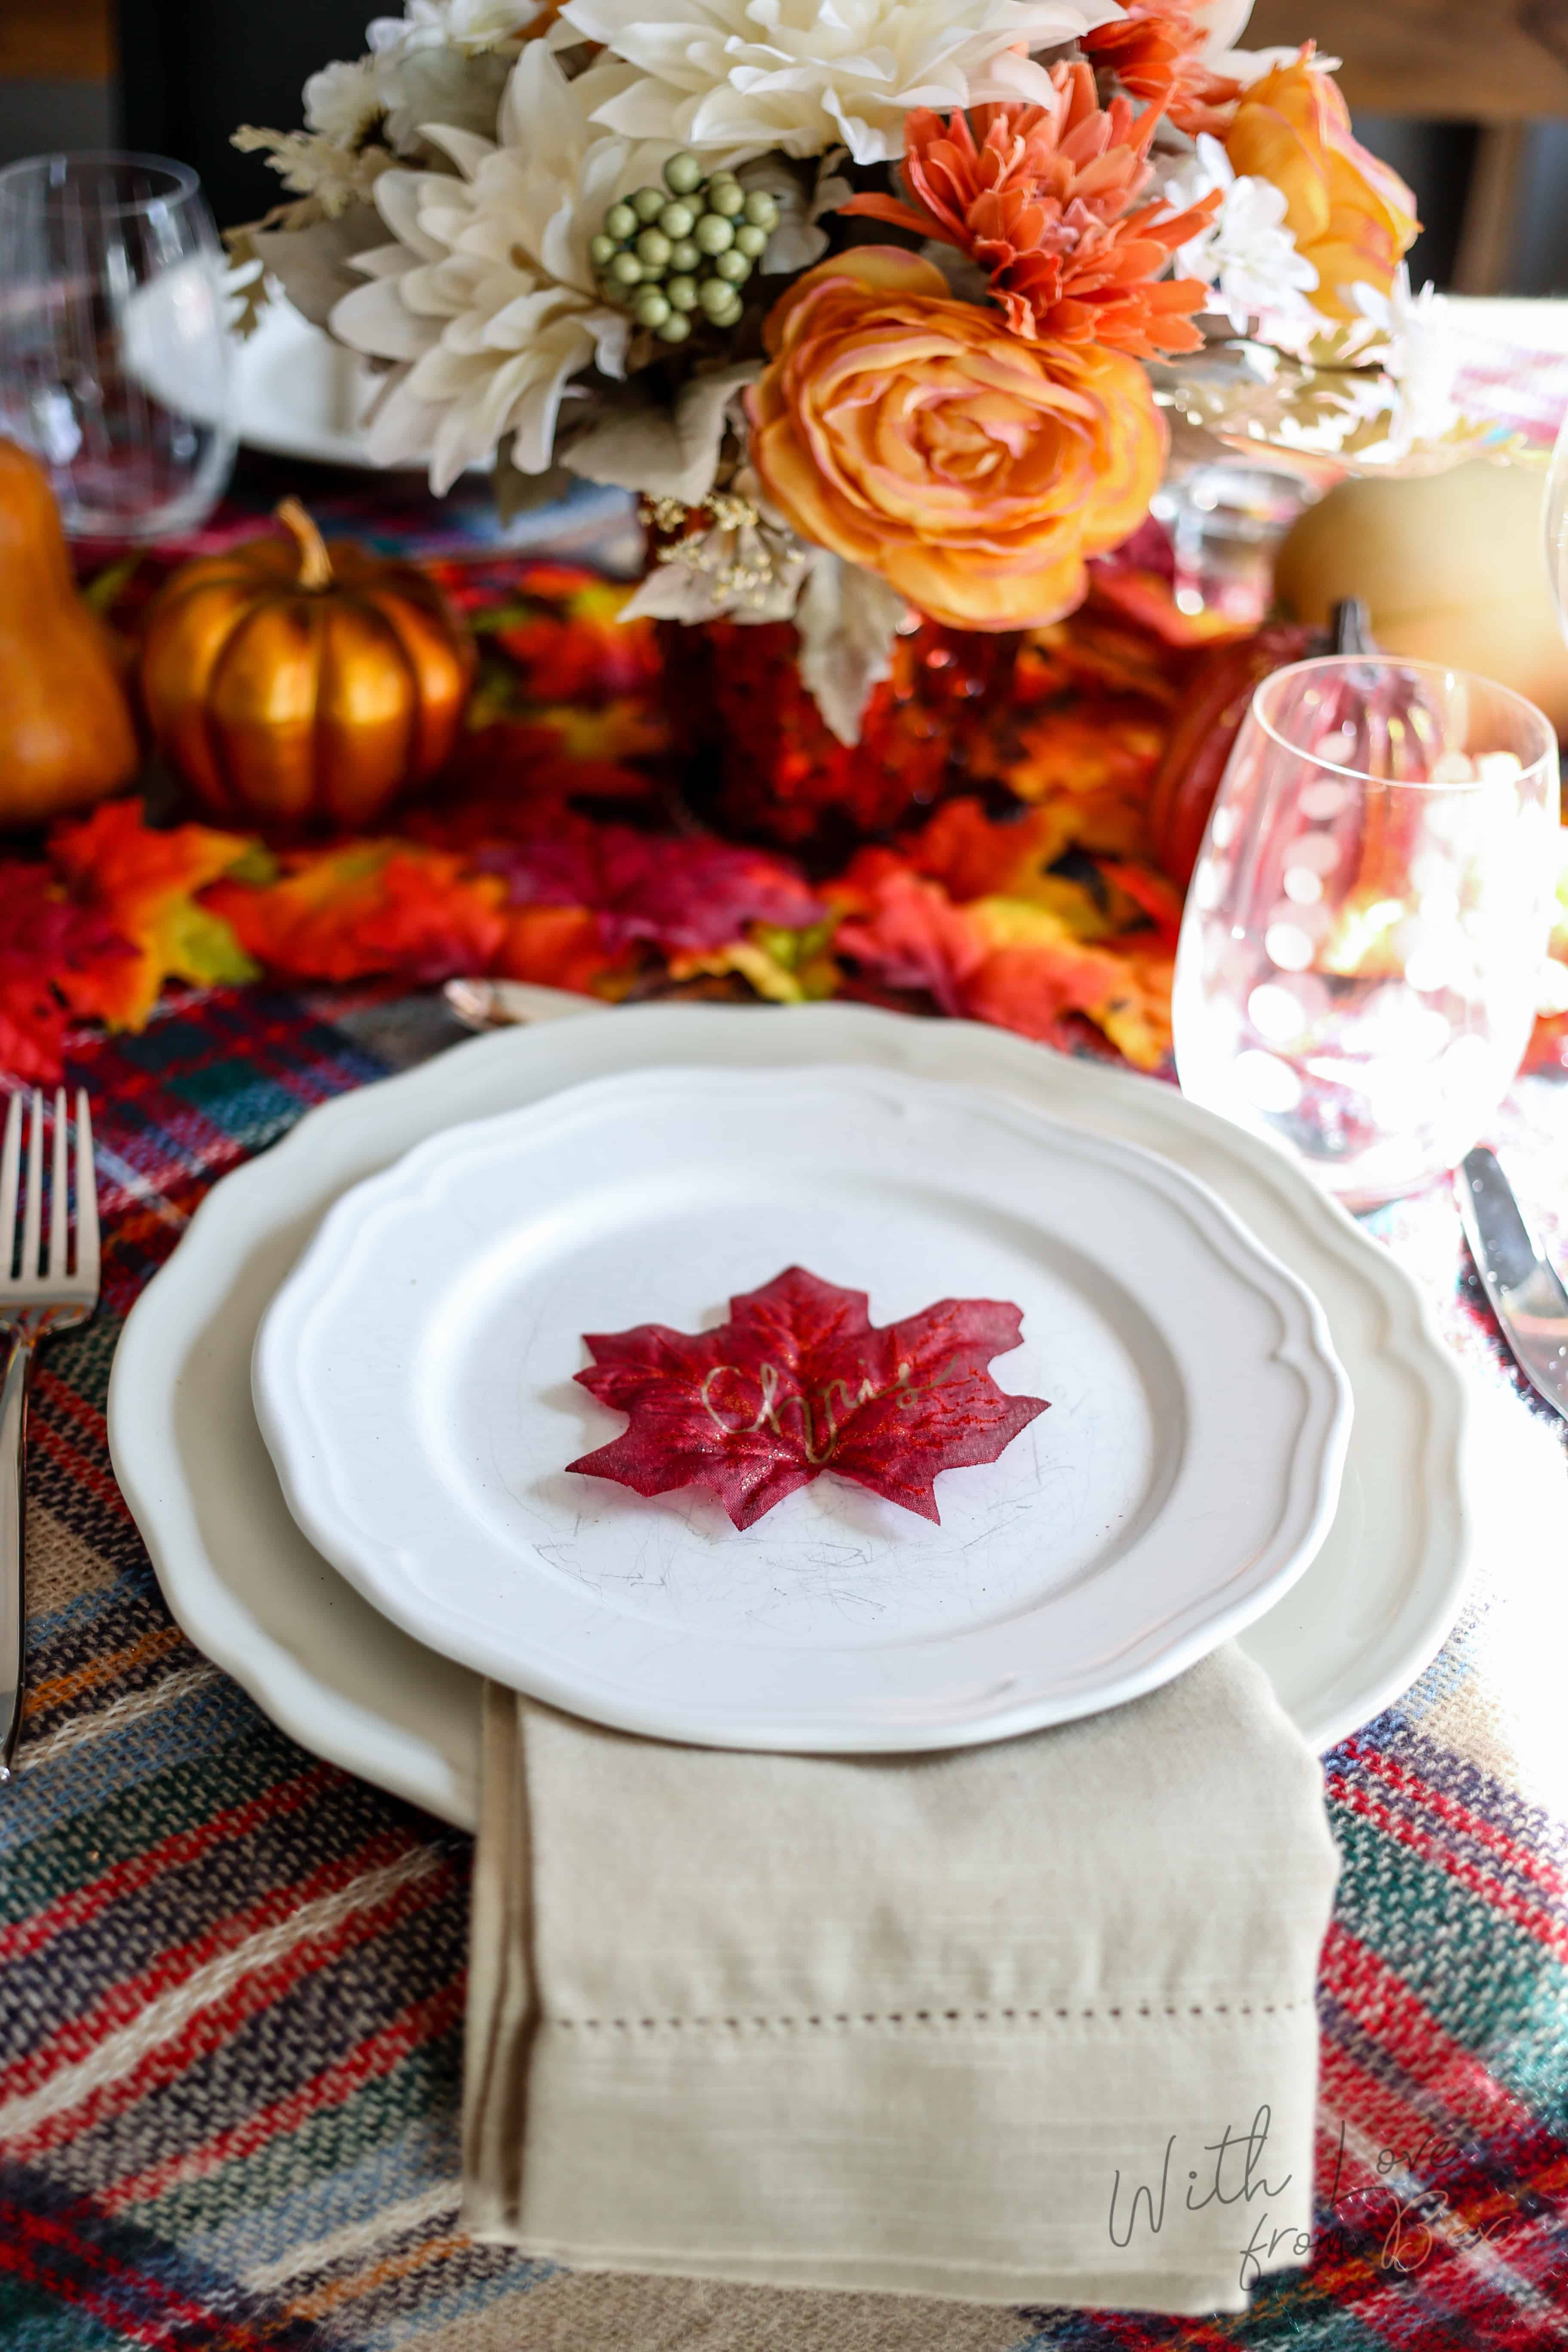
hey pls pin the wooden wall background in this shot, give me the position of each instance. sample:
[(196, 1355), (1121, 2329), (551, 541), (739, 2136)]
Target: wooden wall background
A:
[(57, 40), (1502, 64), (1463, 61), (1468, 61)]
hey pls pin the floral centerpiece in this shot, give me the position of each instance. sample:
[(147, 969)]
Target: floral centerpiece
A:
[(882, 309)]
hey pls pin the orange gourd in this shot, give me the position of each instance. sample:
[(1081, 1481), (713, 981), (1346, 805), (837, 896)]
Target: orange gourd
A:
[(66, 732), (297, 690)]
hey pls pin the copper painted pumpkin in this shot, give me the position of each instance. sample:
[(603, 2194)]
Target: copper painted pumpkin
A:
[(1218, 694), (1219, 690), (301, 690)]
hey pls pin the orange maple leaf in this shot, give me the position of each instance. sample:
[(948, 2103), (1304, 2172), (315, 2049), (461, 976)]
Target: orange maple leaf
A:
[(1083, 750), (1154, 894), (974, 856), (1002, 959), (145, 883), (559, 947), (364, 908)]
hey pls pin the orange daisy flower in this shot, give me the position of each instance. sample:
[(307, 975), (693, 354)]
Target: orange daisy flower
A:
[(1154, 51), (1042, 203)]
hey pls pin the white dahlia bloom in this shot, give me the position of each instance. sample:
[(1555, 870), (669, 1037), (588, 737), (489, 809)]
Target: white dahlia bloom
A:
[(805, 75), (487, 300), (1246, 252), (470, 26)]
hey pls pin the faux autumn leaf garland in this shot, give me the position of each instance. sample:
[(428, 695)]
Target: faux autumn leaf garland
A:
[(799, 1381), (503, 870)]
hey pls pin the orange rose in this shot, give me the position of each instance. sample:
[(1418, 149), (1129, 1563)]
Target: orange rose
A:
[(1350, 215), (914, 435)]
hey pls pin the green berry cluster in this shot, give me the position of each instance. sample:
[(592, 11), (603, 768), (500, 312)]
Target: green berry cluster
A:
[(690, 246)]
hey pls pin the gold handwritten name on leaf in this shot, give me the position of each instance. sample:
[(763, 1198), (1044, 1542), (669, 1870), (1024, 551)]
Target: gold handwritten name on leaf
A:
[(822, 1411), (800, 1380)]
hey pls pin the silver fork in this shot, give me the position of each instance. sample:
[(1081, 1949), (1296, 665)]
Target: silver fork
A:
[(44, 1295)]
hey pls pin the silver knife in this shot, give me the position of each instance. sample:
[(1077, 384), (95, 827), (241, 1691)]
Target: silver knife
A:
[(1527, 1294)]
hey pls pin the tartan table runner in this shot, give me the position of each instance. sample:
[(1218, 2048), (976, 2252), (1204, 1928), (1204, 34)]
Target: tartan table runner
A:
[(231, 1977)]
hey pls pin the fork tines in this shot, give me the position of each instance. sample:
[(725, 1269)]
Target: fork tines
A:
[(32, 1269)]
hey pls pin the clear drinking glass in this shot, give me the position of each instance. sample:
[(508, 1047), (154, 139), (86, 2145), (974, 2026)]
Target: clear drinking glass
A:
[(116, 365), (1365, 934), (1224, 522)]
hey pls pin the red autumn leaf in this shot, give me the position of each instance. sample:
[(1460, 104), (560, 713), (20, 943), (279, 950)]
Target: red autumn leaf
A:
[(1001, 961), (905, 932), (43, 932), (974, 856), (1098, 651), (1148, 548), (50, 946), (686, 892), (1076, 752), (32, 1032), (508, 779), (557, 946), (1153, 894), (144, 880), (799, 1381), (562, 626), (365, 907)]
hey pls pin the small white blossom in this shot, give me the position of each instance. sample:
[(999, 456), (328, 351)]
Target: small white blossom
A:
[(1423, 358), (746, 565), (344, 102), (1246, 253)]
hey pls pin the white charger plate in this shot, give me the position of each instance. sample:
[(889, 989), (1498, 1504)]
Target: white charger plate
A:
[(253, 1594), (414, 1380)]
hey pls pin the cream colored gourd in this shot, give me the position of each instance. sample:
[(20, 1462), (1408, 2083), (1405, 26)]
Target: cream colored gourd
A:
[(1452, 567)]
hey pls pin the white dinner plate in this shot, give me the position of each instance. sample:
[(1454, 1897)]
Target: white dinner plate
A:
[(414, 1382), (299, 395), (257, 1597)]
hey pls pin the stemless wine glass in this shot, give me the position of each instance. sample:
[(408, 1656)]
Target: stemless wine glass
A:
[(115, 360), (1367, 922)]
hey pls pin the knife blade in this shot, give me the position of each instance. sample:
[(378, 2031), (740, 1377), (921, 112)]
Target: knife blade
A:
[(1526, 1291)]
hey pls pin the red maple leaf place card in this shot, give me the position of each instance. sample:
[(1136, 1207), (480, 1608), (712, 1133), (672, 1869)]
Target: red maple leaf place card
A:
[(799, 1381)]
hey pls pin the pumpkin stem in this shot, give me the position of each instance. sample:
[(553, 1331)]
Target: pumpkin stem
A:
[(315, 564)]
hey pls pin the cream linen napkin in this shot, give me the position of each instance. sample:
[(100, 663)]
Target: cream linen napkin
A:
[(1024, 2023)]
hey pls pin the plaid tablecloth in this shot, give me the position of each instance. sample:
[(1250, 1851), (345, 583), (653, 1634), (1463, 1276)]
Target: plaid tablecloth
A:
[(231, 1977)]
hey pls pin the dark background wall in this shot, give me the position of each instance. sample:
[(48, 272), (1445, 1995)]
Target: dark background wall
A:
[(191, 69)]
